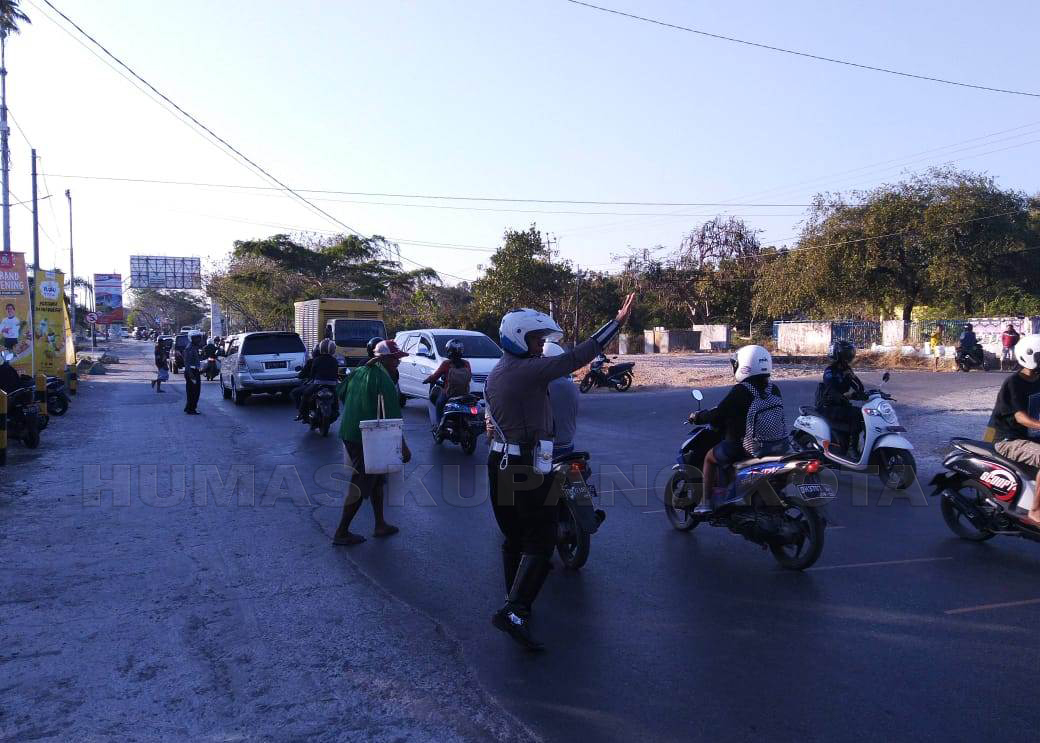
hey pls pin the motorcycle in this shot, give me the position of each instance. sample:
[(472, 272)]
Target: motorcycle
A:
[(23, 417), (983, 494), (211, 369), (618, 376), (974, 359), (578, 518), (881, 442), (322, 410), (773, 501), (57, 399), (461, 423)]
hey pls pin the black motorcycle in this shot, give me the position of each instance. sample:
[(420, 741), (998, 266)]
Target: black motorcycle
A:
[(974, 359), (211, 370), (57, 398), (322, 409), (23, 417), (618, 376), (579, 518), (983, 494), (461, 423), (773, 501)]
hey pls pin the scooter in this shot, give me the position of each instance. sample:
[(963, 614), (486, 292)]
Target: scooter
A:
[(881, 442), (322, 410), (618, 376), (212, 368), (773, 501), (57, 399), (461, 423), (974, 359), (578, 518), (983, 494)]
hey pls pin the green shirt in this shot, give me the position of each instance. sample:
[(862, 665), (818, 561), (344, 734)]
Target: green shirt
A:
[(359, 393)]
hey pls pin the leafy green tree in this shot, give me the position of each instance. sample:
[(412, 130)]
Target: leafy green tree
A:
[(174, 308)]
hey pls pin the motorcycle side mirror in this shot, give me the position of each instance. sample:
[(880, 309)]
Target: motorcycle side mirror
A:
[(697, 395), (885, 377)]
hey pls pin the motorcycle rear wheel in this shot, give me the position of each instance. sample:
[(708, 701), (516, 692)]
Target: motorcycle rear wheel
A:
[(31, 437), (681, 518), (803, 555), (468, 442), (573, 542), (324, 428), (586, 383), (958, 522), (57, 404), (624, 383)]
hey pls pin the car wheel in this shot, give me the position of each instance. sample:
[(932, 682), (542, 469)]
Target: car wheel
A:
[(237, 396), (224, 391)]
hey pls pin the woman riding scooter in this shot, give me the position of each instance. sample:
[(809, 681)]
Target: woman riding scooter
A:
[(455, 373)]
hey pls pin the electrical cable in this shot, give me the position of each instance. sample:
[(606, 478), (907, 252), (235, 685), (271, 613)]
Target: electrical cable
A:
[(793, 52)]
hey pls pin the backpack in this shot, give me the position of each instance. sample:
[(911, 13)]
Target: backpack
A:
[(456, 381), (766, 429)]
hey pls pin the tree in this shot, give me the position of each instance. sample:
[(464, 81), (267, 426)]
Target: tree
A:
[(10, 16), (158, 308)]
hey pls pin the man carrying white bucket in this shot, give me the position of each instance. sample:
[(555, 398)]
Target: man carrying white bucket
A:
[(369, 396)]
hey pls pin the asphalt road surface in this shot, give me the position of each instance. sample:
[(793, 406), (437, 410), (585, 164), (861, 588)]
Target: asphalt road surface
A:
[(900, 632)]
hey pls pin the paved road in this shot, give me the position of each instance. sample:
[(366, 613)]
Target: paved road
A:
[(672, 636)]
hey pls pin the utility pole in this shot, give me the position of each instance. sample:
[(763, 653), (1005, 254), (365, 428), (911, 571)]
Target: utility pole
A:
[(36, 216), (5, 154), (72, 267)]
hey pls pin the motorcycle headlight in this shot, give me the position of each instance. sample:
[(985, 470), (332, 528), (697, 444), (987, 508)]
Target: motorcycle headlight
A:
[(887, 413)]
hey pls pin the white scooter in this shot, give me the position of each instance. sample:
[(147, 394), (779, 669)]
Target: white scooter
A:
[(882, 443)]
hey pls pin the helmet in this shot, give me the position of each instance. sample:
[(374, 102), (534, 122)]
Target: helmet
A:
[(843, 351), (327, 347), (516, 324), (751, 361), (968, 327), (1027, 351), (553, 349), (371, 345), (454, 348)]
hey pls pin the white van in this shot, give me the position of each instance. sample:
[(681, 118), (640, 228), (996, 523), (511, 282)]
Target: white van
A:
[(426, 351), (264, 361)]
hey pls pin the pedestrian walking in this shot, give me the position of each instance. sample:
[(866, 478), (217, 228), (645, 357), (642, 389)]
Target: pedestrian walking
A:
[(192, 373), (162, 366), (362, 394)]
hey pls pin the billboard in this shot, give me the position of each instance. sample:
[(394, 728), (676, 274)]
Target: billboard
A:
[(15, 323), (49, 323), (108, 297), (164, 272)]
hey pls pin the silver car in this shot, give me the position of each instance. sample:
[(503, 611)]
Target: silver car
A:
[(265, 361)]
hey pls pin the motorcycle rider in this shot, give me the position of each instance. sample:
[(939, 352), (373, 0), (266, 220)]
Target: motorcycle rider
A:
[(519, 418), (323, 370), (456, 373), (840, 385), (209, 351), (967, 342), (1016, 414), (752, 366), (563, 397)]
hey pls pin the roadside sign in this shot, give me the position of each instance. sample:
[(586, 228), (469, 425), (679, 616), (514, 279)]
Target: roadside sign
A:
[(91, 318)]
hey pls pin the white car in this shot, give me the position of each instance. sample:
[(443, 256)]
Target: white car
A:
[(264, 361), (426, 351)]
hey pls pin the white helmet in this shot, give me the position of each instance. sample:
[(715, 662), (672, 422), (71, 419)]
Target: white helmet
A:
[(516, 324), (1027, 351), (553, 349), (750, 361)]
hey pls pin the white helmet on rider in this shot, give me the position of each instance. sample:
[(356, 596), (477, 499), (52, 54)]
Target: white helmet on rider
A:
[(516, 324), (1027, 351), (751, 361)]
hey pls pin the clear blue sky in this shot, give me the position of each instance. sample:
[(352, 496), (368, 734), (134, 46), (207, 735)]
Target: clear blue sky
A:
[(528, 99)]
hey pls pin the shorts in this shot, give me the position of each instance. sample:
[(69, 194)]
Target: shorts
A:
[(729, 452), (1025, 451), (366, 484)]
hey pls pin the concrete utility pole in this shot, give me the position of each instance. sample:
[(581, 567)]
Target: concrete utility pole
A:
[(36, 216), (5, 154), (72, 267)]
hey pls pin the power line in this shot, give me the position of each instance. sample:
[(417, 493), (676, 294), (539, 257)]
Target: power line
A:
[(807, 55)]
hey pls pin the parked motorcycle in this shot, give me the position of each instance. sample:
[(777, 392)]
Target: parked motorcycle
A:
[(23, 417), (322, 410), (461, 423), (57, 398), (579, 518), (881, 442), (618, 376), (974, 359), (983, 494), (772, 501), (211, 369)]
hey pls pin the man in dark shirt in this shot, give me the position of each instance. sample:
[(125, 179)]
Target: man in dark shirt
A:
[(839, 384), (968, 341), (1016, 415), (192, 374), (323, 369)]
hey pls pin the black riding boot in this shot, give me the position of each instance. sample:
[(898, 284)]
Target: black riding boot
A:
[(510, 564), (515, 617)]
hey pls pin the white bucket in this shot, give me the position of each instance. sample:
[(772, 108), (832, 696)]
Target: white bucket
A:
[(381, 440)]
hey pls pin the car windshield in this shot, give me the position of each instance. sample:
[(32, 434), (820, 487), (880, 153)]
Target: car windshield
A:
[(357, 333), (474, 346), (265, 343)]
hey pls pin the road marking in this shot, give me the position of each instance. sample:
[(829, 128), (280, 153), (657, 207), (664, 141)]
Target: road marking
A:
[(660, 510), (986, 607), (881, 564)]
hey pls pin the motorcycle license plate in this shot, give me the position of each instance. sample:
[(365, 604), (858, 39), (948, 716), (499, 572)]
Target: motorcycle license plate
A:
[(31, 409), (813, 490)]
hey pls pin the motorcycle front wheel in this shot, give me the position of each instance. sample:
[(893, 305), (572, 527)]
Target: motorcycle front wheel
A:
[(801, 555), (896, 467), (572, 542), (959, 523), (680, 517), (31, 437), (586, 383), (624, 382), (57, 404)]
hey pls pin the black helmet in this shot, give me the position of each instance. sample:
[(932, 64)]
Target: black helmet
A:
[(454, 348), (843, 351), (968, 327), (371, 346), (327, 347)]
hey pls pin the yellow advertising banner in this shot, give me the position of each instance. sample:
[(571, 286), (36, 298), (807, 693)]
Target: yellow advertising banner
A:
[(70, 340), (49, 322), (15, 326)]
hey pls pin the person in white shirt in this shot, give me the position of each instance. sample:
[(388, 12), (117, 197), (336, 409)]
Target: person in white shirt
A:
[(10, 327)]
